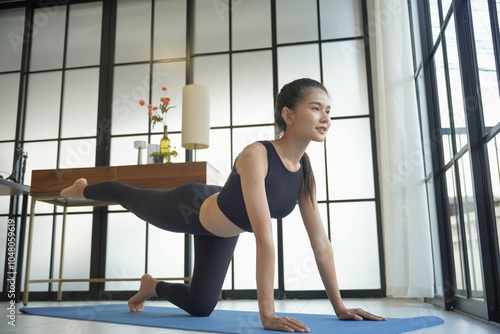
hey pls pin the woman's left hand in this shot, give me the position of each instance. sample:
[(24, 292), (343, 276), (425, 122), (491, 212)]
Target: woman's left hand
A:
[(357, 314)]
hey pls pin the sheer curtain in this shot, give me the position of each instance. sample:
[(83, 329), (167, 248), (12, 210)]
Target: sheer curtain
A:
[(407, 240)]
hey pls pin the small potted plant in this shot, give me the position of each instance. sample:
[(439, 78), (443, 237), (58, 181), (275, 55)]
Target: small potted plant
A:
[(160, 157)]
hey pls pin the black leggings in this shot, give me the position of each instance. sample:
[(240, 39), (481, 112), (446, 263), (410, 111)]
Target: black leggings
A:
[(178, 210)]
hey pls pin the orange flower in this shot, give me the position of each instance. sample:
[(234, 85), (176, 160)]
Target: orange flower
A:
[(154, 111)]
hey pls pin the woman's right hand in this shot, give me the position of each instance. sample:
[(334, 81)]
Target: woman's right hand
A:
[(285, 324)]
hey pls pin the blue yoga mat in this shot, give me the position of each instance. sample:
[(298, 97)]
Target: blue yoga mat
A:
[(227, 321)]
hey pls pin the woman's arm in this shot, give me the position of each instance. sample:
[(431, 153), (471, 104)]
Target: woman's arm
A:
[(251, 165), (323, 253)]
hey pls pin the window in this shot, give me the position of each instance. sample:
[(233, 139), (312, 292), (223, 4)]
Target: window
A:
[(75, 90), (458, 72)]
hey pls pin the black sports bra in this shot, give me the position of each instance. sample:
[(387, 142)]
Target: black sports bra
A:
[(282, 191)]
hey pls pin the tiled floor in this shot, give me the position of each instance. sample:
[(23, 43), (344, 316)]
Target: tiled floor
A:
[(394, 308)]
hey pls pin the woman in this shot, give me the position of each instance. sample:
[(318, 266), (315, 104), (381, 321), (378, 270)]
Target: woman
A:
[(267, 180)]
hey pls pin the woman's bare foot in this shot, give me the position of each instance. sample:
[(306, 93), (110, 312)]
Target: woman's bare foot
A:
[(75, 191), (146, 291)]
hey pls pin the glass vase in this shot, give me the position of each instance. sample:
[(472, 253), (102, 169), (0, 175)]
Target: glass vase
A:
[(165, 143)]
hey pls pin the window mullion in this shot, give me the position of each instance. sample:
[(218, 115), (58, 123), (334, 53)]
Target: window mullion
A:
[(440, 189)]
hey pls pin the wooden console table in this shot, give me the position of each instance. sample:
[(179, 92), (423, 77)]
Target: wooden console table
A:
[(46, 186)]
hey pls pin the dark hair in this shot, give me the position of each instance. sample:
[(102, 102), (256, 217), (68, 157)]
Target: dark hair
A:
[(290, 95)]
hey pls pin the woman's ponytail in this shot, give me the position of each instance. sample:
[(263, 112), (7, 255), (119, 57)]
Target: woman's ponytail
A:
[(309, 184)]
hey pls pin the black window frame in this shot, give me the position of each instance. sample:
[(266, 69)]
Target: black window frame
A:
[(478, 138)]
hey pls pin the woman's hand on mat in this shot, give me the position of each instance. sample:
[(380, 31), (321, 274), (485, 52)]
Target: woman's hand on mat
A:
[(285, 324), (357, 314)]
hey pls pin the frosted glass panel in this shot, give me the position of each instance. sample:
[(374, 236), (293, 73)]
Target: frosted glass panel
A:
[(213, 71), (41, 155), (446, 4), (416, 31), (6, 158), (41, 249), (9, 94), (350, 164), (211, 26), (4, 205), (245, 261), (340, 18), (245, 136), (170, 29), (470, 227), (78, 243), (246, 34), (80, 103), (11, 39), (244, 264), (457, 94), (344, 73), (295, 62), (131, 83), (493, 158), (165, 253), (43, 106), (426, 142), (301, 272), (218, 155), (354, 236), (122, 260), (431, 201), (296, 20), (485, 55), (48, 42), (123, 151), (253, 88), (228, 281), (77, 153), (173, 76), (133, 31), (444, 110), (84, 34), (456, 234), (435, 20)]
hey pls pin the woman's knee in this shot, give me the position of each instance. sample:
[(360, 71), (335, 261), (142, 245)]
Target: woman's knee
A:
[(201, 309)]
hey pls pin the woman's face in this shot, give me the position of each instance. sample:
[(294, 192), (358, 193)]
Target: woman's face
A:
[(310, 117)]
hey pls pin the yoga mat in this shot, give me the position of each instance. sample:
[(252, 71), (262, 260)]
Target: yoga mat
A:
[(238, 322)]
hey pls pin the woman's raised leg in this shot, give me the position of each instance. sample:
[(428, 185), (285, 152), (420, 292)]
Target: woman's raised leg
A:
[(175, 210)]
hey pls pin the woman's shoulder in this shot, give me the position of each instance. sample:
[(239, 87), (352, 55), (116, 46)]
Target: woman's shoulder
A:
[(254, 148), (252, 156)]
